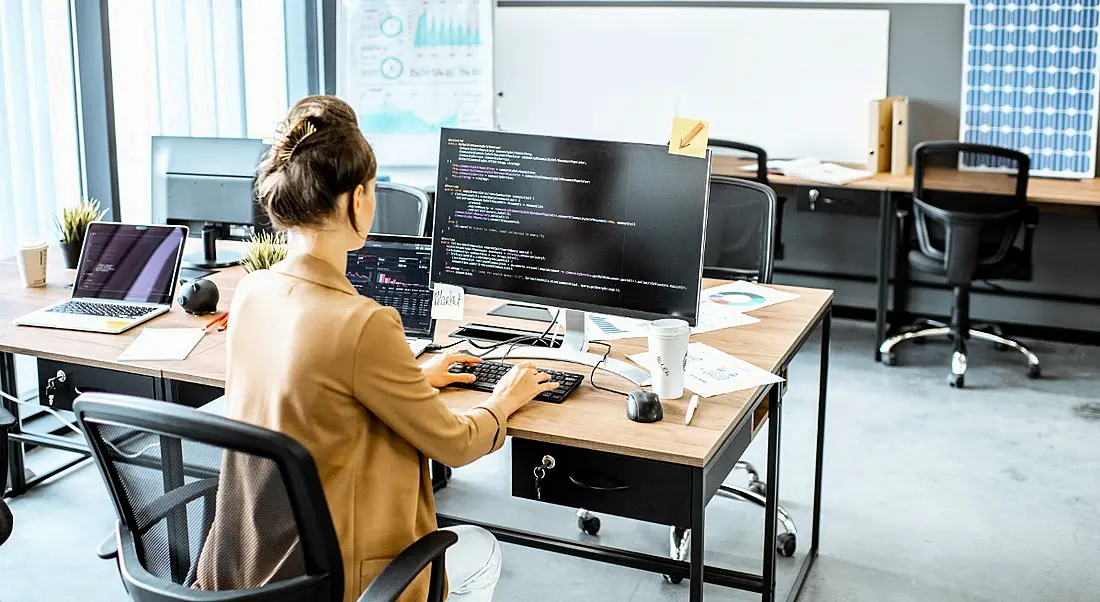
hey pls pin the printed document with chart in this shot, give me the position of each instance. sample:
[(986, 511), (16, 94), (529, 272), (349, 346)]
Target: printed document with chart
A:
[(411, 67)]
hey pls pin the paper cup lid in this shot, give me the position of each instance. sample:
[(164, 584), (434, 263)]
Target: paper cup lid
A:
[(33, 244), (669, 327)]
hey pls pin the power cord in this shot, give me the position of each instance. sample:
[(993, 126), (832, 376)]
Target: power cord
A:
[(592, 375), (76, 429)]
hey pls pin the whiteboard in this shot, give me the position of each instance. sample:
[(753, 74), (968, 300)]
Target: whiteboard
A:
[(796, 81), (411, 67)]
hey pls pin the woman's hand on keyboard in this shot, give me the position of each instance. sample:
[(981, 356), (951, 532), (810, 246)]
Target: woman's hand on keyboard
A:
[(437, 371), (520, 385)]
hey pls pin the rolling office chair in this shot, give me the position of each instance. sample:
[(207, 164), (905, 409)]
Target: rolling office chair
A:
[(165, 467), (6, 520), (760, 157), (400, 209), (967, 224)]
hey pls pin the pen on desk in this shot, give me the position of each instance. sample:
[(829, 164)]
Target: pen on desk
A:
[(694, 403), (215, 321)]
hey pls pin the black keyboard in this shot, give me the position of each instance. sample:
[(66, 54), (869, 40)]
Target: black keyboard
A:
[(107, 310), (489, 374)]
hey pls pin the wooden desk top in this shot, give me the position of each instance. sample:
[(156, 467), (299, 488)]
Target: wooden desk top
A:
[(1050, 191), (589, 419)]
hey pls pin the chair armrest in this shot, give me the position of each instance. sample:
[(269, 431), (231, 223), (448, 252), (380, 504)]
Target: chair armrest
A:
[(6, 419), (396, 577), (108, 548)]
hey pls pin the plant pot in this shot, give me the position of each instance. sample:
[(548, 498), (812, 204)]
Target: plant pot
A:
[(71, 252)]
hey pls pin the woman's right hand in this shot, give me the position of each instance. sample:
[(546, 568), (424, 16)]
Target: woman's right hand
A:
[(520, 385)]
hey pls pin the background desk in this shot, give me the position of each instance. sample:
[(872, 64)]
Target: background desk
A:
[(831, 241), (674, 470)]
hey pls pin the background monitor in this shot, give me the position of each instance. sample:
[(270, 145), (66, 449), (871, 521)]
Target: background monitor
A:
[(206, 185), (610, 227)]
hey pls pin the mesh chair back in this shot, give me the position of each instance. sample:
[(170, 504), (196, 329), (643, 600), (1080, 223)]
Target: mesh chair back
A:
[(399, 209), (969, 203), (740, 241), (207, 503)]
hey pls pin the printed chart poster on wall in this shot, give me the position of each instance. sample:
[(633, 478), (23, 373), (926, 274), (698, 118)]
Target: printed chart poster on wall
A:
[(411, 67), (1030, 81)]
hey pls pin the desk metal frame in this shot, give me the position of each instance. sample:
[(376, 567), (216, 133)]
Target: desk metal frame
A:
[(719, 466)]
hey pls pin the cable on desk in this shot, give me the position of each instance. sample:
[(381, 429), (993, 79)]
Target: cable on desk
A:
[(77, 430), (487, 349), (592, 375), (541, 338)]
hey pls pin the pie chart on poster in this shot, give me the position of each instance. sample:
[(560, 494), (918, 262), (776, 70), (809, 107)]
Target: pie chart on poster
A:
[(737, 299)]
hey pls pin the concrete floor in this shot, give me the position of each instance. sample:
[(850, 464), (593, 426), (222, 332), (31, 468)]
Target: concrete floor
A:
[(991, 493)]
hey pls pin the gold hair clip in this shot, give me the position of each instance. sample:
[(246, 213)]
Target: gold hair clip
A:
[(301, 130)]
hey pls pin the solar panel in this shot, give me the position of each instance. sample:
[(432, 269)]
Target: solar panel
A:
[(1030, 81)]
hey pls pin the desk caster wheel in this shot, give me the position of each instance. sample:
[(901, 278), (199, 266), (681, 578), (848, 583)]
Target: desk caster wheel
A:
[(588, 522), (1033, 371), (956, 381), (786, 544), (891, 358)]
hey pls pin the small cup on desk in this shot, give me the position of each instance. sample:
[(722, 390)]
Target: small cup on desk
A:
[(668, 342), (32, 263)]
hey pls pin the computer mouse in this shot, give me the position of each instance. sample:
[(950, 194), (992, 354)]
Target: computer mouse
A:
[(644, 406)]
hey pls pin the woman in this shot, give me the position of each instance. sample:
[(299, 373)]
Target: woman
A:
[(310, 357)]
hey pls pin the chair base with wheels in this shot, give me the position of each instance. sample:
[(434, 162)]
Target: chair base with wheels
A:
[(959, 331)]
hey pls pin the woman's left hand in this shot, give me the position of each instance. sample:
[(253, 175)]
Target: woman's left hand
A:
[(437, 370)]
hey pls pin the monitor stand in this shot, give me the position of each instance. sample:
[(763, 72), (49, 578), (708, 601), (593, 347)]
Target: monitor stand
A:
[(211, 257), (574, 349)]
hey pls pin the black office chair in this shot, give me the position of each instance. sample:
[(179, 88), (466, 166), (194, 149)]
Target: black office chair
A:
[(740, 238), (399, 209), (760, 157), (166, 468), (968, 221), (6, 520)]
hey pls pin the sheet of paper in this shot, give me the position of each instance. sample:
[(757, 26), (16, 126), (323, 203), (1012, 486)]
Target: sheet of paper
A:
[(829, 173), (600, 327), (741, 297), (162, 345), (712, 372), (448, 302), (689, 137)]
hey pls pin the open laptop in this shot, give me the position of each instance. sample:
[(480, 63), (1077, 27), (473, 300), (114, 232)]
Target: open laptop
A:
[(396, 271), (125, 276)]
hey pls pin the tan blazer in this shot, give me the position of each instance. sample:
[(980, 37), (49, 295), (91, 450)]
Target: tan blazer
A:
[(310, 357)]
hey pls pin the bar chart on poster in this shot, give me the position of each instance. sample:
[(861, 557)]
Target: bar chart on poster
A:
[(411, 67)]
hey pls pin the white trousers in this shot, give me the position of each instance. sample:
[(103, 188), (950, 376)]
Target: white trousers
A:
[(473, 565)]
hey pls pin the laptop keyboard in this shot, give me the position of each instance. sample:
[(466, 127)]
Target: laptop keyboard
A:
[(107, 310)]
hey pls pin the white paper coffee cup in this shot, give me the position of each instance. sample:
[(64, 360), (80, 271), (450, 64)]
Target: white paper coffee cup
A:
[(32, 263), (668, 343)]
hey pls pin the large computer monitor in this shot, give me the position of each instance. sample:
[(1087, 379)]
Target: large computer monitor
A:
[(583, 225), (206, 185)]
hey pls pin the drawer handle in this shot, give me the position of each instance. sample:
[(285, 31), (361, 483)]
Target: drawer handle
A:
[(590, 487)]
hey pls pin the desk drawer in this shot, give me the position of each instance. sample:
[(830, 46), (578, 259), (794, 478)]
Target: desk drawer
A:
[(647, 490), (87, 380), (815, 199)]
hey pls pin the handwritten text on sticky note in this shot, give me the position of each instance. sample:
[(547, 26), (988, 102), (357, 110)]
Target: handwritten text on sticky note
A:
[(689, 137), (448, 302)]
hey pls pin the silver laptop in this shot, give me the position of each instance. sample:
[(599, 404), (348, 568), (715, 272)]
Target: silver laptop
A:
[(125, 276), (396, 271)]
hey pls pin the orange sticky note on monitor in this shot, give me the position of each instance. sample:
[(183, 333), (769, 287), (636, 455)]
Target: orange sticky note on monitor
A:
[(689, 137)]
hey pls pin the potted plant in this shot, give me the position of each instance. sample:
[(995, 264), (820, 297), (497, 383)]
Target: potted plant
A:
[(264, 250), (72, 225)]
